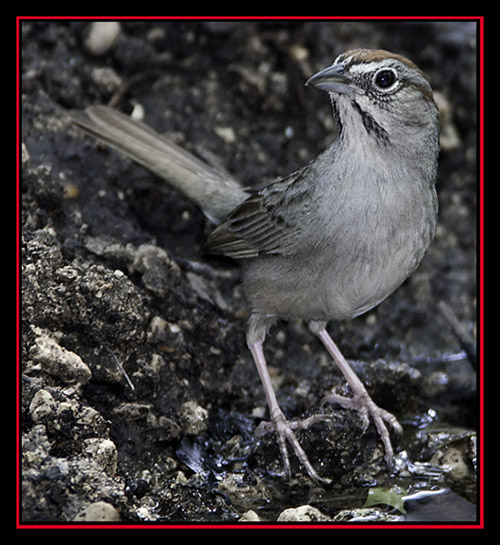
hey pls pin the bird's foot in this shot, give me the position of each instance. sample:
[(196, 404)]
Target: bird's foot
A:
[(366, 408), (286, 436)]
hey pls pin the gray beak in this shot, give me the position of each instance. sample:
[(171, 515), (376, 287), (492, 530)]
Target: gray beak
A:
[(332, 80)]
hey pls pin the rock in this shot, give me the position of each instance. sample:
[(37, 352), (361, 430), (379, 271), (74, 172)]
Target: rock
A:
[(193, 418), (58, 361), (101, 37), (365, 514), (249, 516), (106, 79), (99, 511), (453, 461), (242, 494), (103, 452), (42, 406), (56, 488), (304, 513), (159, 272)]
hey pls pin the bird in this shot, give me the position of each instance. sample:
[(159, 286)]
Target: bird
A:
[(329, 241)]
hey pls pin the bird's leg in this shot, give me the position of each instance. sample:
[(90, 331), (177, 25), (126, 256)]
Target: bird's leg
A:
[(360, 400), (279, 424)]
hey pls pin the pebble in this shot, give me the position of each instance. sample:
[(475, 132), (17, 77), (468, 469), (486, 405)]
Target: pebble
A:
[(103, 452), (453, 461), (100, 511), (57, 361), (304, 513), (102, 37), (226, 133), (42, 406), (106, 79), (249, 516), (194, 418)]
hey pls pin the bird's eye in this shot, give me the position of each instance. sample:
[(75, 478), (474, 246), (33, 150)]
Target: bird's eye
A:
[(385, 79)]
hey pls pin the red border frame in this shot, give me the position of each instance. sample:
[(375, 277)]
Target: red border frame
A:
[(481, 523)]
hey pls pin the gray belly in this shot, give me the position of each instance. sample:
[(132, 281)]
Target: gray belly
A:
[(340, 280)]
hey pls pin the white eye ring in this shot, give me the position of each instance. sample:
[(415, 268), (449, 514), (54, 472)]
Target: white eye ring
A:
[(386, 79)]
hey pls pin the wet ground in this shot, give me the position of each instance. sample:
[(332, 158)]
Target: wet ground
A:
[(139, 398)]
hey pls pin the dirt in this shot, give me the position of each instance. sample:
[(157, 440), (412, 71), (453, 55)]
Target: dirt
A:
[(139, 399)]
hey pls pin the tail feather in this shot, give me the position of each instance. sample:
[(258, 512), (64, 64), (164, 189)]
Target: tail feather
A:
[(215, 192)]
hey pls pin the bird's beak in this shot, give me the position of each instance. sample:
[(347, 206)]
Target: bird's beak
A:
[(332, 80)]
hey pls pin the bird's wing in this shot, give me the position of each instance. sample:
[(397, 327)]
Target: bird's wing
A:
[(262, 224)]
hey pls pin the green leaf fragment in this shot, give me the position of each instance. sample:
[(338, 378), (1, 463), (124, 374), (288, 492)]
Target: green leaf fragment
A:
[(386, 496)]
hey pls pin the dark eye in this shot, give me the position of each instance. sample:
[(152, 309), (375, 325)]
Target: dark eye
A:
[(384, 79)]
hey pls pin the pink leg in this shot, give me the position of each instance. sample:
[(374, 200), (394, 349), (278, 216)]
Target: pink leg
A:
[(283, 428), (360, 400)]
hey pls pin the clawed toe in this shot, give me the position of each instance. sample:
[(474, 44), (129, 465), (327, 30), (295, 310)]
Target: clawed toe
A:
[(286, 436), (366, 408)]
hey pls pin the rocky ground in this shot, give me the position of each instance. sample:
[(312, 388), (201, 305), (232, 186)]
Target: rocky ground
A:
[(139, 398)]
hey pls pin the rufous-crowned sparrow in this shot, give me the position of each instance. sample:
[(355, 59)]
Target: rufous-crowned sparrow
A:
[(331, 240)]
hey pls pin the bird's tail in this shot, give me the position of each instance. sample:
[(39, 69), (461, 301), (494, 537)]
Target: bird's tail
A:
[(214, 191)]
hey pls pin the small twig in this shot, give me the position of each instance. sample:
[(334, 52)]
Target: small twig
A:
[(120, 367), (124, 87), (464, 337), (441, 358)]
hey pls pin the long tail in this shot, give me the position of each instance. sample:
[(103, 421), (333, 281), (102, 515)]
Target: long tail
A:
[(215, 192)]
